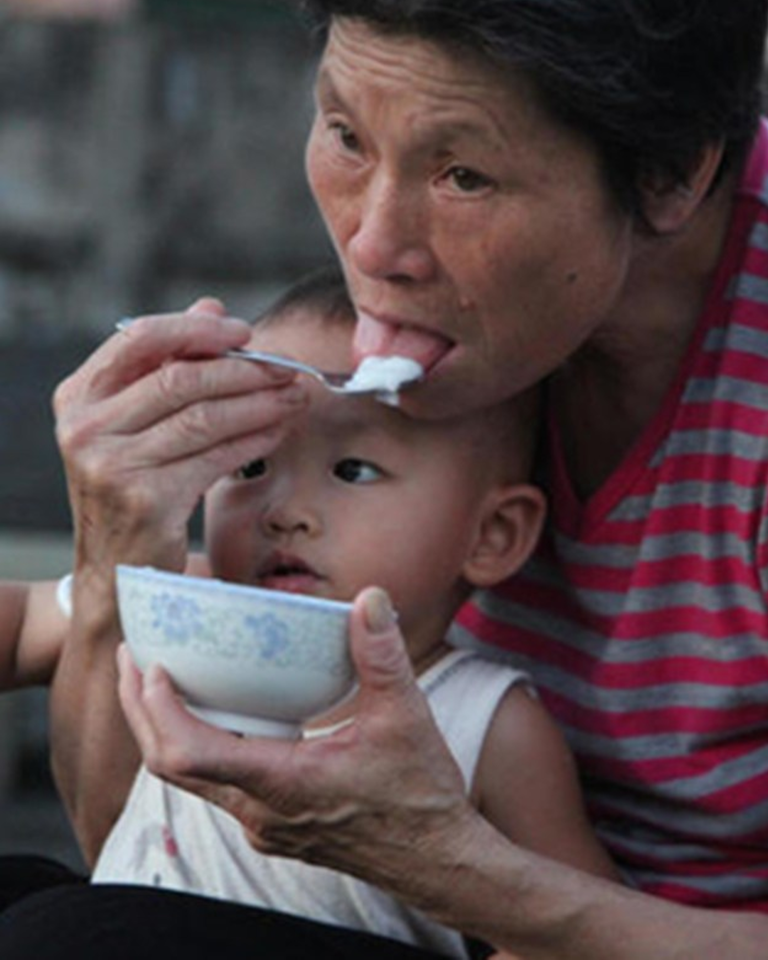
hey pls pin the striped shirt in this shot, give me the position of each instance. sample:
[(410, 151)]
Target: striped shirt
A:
[(643, 618)]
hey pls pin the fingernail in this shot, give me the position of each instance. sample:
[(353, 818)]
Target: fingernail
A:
[(380, 615)]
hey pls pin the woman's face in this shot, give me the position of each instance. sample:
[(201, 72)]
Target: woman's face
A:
[(477, 235)]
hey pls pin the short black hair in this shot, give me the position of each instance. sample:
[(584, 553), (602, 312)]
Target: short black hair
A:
[(650, 83), (322, 290)]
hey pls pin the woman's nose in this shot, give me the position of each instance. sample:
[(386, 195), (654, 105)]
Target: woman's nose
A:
[(391, 236)]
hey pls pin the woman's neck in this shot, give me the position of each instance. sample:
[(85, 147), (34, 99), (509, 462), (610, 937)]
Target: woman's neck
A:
[(609, 392)]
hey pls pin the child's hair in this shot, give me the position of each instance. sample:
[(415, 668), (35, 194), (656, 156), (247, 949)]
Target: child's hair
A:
[(323, 291), (514, 422)]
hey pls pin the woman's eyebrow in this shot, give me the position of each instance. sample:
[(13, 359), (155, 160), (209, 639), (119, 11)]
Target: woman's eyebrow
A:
[(325, 88)]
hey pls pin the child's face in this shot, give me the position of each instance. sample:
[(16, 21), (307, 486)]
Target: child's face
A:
[(358, 494)]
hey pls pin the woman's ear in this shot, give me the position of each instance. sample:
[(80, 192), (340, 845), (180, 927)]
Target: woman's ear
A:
[(509, 528), (668, 208)]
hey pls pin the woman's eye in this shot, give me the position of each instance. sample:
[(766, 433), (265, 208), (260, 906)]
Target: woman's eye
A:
[(468, 181), (345, 136), (256, 468), (356, 471)]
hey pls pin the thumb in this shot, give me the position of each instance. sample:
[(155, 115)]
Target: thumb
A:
[(211, 305), (378, 648)]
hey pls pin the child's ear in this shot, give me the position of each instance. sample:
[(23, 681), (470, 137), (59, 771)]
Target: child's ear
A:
[(508, 530)]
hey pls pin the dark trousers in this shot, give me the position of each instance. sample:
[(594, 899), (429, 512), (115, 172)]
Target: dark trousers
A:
[(23, 875), (52, 914)]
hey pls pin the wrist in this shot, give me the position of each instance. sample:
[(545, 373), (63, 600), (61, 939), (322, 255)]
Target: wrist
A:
[(92, 600)]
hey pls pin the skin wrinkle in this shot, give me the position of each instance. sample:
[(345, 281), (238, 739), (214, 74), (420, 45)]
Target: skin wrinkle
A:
[(512, 218), (445, 104)]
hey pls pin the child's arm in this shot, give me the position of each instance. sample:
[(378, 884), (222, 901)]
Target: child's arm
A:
[(32, 632), (527, 786)]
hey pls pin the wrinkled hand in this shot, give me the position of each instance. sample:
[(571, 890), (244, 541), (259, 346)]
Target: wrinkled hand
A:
[(150, 420), (374, 798)]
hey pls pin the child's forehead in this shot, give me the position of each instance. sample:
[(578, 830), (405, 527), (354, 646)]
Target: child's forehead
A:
[(326, 342)]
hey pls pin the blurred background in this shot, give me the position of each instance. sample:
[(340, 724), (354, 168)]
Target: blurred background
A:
[(150, 152)]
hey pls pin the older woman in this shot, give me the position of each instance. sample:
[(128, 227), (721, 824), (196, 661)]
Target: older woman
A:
[(517, 190)]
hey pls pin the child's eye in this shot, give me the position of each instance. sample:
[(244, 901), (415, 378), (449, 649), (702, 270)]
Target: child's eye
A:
[(256, 468), (357, 471)]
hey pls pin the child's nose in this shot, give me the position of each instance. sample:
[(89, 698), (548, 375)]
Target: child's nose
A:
[(290, 514)]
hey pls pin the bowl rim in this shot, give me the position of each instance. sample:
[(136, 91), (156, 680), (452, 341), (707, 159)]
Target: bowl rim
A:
[(215, 585)]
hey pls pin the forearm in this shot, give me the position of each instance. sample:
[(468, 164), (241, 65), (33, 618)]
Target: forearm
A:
[(32, 632), (93, 755), (538, 909), (44, 630), (382, 799), (13, 600)]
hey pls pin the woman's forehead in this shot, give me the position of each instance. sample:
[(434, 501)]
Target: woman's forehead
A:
[(412, 71)]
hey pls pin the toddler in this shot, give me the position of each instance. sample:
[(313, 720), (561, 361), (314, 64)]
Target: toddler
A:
[(358, 494)]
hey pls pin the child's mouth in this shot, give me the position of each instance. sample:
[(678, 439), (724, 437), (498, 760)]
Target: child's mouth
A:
[(288, 574)]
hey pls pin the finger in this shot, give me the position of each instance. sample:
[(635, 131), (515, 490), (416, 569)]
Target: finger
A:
[(222, 430), (181, 747), (152, 503), (219, 433), (146, 344), (378, 648), (191, 388), (387, 687), (129, 689), (205, 329), (150, 699), (208, 305)]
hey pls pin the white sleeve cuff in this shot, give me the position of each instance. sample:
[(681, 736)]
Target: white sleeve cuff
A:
[(64, 595)]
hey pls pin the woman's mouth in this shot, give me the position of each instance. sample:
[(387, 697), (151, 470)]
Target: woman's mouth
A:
[(384, 337)]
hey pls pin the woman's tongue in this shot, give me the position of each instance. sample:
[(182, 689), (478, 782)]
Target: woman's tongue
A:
[(375, 338)]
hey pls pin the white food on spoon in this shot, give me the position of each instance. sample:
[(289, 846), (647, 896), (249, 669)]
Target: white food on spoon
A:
[(385, 376)]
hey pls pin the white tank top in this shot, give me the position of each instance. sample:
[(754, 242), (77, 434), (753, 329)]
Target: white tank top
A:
[(168, 838)]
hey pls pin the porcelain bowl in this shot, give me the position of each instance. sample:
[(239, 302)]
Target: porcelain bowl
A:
[(254, 661)]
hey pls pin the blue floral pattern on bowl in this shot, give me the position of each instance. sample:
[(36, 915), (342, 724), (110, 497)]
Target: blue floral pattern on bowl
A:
[(287, 635), (177, 618)]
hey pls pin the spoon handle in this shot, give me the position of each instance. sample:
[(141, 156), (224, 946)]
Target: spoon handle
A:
[(259, 356)]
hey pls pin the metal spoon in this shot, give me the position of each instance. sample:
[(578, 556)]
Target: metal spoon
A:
[(335, 382), (386, 390)]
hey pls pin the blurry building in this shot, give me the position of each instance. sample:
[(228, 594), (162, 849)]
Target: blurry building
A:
[(150, 152), (146, 158)]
